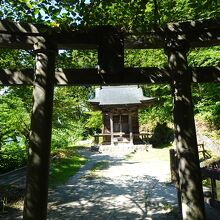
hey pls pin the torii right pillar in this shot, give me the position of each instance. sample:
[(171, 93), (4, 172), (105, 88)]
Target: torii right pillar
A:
[(190, 181)]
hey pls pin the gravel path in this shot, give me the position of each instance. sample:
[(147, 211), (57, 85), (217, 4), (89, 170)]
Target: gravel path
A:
[(130, 188)]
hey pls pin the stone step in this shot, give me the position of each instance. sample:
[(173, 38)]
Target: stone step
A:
[(124, 147)]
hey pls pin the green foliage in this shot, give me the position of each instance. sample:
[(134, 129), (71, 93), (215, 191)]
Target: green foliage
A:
[(145, 58), (140, 16), (14, 120), (207, 105), (209, 56), (23, 93), (64, 137), (187, 10), (77, 59), (60, 138), (65, 163), (137, 15), (69, 116), (94, 122), (160, 110), (206, 96), (14, 123), (69, 103), (15, 59), (127, 14), (11, 157), (57, 13)]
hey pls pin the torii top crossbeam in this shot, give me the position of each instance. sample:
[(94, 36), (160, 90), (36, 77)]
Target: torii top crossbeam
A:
[(110, 43), (23, 35)]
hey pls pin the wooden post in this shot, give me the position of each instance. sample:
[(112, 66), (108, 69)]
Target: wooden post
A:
[(130, 128), (185, 133), (173, 166), (35, 204), (96, 137), (175, 177), (111, 129), (111, 52), (214, 188)]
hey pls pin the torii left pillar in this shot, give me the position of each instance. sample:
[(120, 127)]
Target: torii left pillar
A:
[(35, 204)]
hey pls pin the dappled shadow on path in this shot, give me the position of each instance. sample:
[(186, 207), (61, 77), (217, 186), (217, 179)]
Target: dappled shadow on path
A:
[(102, 198), (120, 196)]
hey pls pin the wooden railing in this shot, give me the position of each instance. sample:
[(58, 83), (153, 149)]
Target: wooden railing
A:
[(143, 136), (203, 151), (210, 171)]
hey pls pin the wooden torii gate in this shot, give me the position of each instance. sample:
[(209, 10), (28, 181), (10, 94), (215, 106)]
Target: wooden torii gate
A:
[(176, 39)]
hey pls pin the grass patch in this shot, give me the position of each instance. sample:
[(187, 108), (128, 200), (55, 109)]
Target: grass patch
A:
[(91, 175), (100, 166), (130, 155), (65, 163)]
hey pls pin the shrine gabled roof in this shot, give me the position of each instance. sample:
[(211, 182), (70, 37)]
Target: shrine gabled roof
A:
[(120, 95)]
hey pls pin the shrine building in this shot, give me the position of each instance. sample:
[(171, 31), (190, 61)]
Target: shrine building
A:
[(119, 106)]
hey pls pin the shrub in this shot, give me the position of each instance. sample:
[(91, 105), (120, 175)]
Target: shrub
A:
[(12, 158), (162, 135)]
